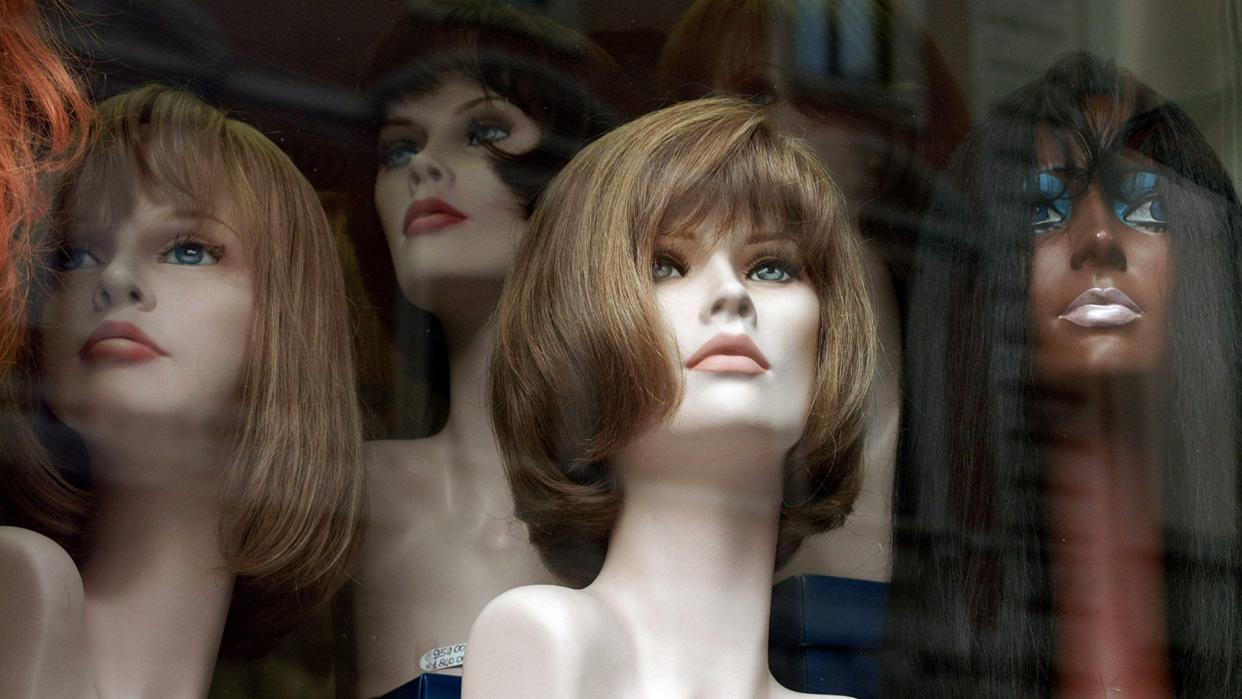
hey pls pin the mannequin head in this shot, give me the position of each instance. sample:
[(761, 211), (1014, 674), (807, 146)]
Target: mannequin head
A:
[(592, 350), (170, 181), (1133, 199), (479, 106), (43, 120)]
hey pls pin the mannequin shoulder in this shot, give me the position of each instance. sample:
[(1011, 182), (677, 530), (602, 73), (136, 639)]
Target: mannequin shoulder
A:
[(41, 616), (535, 641), (37, 568)]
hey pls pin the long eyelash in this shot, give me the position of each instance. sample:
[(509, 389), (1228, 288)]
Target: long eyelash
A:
[(775, 254), (490, 117), (214, 249), (676, 258)]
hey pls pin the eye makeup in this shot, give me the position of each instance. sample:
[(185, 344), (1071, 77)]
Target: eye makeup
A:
[(1134, 196)]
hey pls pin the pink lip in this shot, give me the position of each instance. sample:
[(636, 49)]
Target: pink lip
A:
[(114, 339), (736, 354), (430, 214), (1102, 307)]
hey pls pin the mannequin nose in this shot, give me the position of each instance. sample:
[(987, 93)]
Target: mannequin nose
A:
[(1095, 231), (427, 169), (727, 298), (120, 285)]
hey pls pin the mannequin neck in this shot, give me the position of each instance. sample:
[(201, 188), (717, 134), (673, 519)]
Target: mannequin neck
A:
[(1126, 413), (1102, 466), (468, 455), (157, 589), (683, 551)]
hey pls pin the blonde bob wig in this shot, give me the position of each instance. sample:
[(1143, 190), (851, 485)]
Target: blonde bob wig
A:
[(583, 361), (293, 493)]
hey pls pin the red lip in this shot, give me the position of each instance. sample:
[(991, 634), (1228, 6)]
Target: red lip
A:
[(114, 339), (729, 354), (430, 214)]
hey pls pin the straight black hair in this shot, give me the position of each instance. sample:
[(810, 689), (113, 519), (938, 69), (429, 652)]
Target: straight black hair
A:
[(970, 608)]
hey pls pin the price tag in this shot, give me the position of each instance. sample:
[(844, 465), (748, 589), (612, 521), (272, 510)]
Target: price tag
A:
[(443, 657)]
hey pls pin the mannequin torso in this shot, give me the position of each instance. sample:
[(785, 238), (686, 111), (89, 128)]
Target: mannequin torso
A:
[(143, 617), (657, 622), (443, 541)]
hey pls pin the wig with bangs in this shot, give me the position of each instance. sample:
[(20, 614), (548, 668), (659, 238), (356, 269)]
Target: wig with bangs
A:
[(970, 611), (565, 83), (293, 492), (583, 362)]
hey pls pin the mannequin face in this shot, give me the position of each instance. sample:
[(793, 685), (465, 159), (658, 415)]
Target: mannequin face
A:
[(445, 212), (148, 325), (1101, 272), (746, 323)]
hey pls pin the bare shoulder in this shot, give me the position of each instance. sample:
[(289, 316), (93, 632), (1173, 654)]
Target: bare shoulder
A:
[(41, 616), (37, 568), (534, 641)]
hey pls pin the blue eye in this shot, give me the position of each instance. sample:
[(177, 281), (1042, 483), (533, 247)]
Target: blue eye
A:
[(771, 271), (191, 253), (1138, 203), (70, 258), (478, 133), (664, 268), (1053, 205), (395, 154)]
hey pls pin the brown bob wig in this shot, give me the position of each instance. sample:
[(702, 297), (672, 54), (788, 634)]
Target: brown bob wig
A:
[(583, 361), (293, 493)]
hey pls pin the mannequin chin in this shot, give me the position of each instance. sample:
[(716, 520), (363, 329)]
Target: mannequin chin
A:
[(676, 497)]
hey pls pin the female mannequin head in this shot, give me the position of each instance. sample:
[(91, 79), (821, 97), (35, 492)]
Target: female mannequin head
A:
[(1083, 180), (191, 238), (480, 105), (592, 348)]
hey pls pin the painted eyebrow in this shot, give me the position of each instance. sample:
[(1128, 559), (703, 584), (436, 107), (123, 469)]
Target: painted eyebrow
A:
[(405, 121), (477, 100)]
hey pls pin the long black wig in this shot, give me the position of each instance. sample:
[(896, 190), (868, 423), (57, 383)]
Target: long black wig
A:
[(971, 607)]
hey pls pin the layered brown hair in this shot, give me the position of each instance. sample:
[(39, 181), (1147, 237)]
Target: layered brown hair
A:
[(43, 119), (293, 492), (583, 361)]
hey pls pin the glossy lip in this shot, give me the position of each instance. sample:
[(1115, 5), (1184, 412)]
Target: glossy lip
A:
[(729, 354), (430, 214), (134, 345), (1102, 307)]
